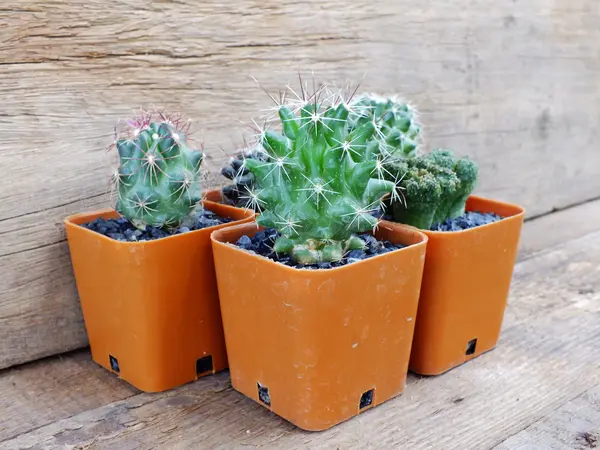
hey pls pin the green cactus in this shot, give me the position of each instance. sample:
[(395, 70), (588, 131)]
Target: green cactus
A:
[(435, 188), (158, 177), (395, 122), (396, 132), (320, 184)]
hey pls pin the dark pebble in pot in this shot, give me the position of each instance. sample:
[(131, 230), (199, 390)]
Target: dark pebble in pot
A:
[(470, 219), (356, 254), (244, 242)]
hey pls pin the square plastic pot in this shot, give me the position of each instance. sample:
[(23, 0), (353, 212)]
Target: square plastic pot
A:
[(465, 287), (318, 347), (151, 308)]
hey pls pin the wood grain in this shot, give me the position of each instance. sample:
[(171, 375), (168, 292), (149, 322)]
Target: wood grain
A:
[(37, 394), (515, 86), (548, 354), (558, 227), (575, 425)]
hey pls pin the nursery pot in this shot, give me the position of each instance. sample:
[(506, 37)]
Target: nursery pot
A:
[(317, 347), (151, 308), (465, 287), (213, 195)]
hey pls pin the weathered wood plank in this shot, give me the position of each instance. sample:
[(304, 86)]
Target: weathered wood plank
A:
[(512, 86), (548, 354), (558, 227), (575, 425), (38, 393)]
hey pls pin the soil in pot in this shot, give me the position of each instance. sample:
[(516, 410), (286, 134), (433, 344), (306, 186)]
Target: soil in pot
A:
[(262, 244), (469, 219), (121, 229)]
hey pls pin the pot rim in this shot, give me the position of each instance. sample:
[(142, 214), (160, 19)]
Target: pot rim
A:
[(69, 221), (518, 215), (214, 236)]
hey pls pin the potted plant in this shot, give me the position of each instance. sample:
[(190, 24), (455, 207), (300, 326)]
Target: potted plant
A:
[(144, 270), (470, 257), (319, 302)]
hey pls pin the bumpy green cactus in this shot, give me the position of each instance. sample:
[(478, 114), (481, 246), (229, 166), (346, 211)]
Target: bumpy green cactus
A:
[(158, 178), (396, 134), (320, 183), (435, 187), (396, 125)]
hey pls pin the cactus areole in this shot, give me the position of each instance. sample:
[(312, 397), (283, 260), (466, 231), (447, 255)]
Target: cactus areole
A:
[(321, 182), (158, 177)]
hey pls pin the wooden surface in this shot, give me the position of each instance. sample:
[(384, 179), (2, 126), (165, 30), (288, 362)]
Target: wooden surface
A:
[(36, 394), (540, 385), (575, 425), (514, 85)]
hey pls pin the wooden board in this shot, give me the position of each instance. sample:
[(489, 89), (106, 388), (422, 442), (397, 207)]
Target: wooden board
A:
[(514, 85), (547, 356), (37, 394), (575, 425), (559, 227)]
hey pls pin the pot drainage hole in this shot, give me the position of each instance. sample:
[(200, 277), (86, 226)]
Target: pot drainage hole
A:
[(204, 365), (114, 364), (366, 399), (471, 347), (263, 394)]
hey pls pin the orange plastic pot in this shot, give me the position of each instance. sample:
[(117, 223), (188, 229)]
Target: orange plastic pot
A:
[(319, 346), (151, 308), (213, 195), (466, 282)]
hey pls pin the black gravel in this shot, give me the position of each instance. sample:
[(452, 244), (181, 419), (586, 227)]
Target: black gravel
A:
[(263, 241), (122, 230), (468, 220)]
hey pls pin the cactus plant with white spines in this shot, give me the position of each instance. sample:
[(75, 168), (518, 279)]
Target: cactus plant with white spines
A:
[(396, 135), (319, 183), (158, 175)]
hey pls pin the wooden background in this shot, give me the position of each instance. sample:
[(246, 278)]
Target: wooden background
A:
[(514, 84)]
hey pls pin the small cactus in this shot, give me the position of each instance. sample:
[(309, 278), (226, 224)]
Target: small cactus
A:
[(435, 187), (158, 176), (319, 184)]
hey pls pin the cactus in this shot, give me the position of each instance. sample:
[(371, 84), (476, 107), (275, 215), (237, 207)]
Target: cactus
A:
[(396, 133), (158, 177), (435, 188), (319, 184), (395, 122)]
